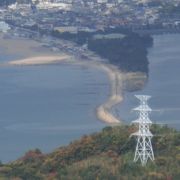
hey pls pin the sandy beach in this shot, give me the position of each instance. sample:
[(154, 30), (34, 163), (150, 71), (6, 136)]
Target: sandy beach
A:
[(104, 111), (21, 47), (33, 53), (116, 77), (39, 60), (29, 52)]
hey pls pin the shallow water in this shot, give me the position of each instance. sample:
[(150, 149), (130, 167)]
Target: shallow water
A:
[(163, 84), (47, 106), (51, 105)]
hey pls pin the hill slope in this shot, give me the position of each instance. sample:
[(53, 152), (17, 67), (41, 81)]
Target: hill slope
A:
[(106, 155)]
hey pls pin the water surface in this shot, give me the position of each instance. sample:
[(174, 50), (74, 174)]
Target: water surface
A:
[(163, 84), (47, 106)]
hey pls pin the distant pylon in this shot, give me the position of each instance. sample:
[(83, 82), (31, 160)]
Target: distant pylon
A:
[(144, 150)]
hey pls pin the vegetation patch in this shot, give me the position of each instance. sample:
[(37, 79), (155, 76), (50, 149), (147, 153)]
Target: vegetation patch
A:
[(107, 155)]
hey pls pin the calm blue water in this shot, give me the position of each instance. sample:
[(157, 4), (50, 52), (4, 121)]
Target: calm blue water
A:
[(163, 84), (47, 106)]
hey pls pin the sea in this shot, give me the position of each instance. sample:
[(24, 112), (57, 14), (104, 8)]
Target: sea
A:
[(163, 84), (49, 106)]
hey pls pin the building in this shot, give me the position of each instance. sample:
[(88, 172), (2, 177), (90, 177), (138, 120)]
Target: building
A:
[(4, 27)]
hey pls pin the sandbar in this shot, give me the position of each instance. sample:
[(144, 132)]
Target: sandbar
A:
[(29, 52)]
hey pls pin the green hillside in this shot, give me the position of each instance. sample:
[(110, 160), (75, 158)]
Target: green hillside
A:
[(106, 155)]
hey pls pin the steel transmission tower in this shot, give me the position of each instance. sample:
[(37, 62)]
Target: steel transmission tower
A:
[(144, 150)]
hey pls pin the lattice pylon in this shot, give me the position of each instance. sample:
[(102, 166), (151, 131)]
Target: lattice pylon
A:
[(144, 150)]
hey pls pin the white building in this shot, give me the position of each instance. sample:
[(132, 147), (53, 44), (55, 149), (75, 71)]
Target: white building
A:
[(4, 27)]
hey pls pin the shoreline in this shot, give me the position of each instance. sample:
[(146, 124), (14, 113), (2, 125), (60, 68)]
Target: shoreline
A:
[(28, 50), (39, 60), (103, 111), (115, 96)]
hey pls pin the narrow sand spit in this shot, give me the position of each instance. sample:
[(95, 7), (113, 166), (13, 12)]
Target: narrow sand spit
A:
[(104, 111), (34, 54), (39, 60)]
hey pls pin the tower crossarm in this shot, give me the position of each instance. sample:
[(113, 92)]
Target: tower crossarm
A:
[(143, 108)]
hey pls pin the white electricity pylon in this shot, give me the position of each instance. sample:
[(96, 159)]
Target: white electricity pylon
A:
[(144, 150)]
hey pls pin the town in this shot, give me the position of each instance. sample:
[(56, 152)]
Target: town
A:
[(91, 15)]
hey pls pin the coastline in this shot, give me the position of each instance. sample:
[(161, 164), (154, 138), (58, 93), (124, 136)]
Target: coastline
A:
[(116, 78), (28, 49), (39, 60), (23, 46), (29, 52), (115, 96)]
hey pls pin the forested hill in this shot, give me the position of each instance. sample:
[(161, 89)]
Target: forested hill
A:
[(107, 155)]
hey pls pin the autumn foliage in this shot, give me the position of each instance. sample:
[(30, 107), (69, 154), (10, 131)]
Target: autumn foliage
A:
[(107, 155)]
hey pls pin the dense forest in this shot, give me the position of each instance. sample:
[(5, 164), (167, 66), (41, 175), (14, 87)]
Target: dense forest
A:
[(128, 53), (107, 155)]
